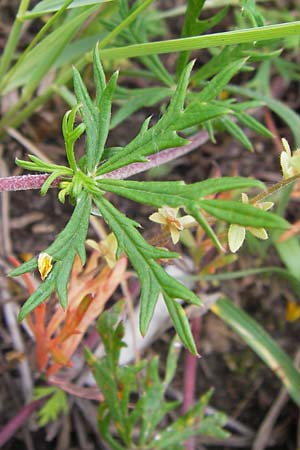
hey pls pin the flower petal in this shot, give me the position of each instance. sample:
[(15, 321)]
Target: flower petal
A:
[(258, 232), (236, 237), (175, 234), (245, 198), (158, 218), (44, 264), (187, 220)]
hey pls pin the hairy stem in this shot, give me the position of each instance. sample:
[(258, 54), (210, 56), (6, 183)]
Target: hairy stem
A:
[(25, 182)]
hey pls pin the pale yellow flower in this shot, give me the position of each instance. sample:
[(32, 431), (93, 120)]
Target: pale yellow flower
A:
[(237, 233), (108, 248), (290, 162), (167, 217), (44, 265)]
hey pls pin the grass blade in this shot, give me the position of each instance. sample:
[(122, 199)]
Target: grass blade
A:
[(262, 344)]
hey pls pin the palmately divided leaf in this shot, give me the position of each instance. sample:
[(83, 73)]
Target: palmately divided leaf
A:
[(154, 280), (164, 133), (63, 251)]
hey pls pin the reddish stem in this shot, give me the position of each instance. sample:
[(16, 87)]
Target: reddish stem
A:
[(12, 426), (272, 127), (189, 378), (25, 182)]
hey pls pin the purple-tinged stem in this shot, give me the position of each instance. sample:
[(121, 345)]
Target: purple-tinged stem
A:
[(12, 426), (25, 182)]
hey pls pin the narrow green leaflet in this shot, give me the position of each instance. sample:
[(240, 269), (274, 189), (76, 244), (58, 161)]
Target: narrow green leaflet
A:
[(95, 116), (47, 6), (283, 111), (243, 214), (63, 251), (136, 99), (154, 280), (236, 132), (54, 406), (138, 32), (192, 423), (262, 343), (220, 81), (174, 193)]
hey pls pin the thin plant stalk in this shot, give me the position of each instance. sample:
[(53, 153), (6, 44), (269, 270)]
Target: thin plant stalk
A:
[(13, 38), (265, 33), (34, 41)]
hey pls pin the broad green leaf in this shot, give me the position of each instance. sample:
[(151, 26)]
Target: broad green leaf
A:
[(63, 251), (153, 278), (47, 6), (242, 214), (262, 343)]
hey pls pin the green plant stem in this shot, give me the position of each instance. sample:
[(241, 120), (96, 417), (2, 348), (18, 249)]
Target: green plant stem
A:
[(13, 38), (275, 188), (114, 33), (265, 33)]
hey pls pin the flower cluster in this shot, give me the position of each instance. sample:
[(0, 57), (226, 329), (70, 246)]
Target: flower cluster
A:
[(167, 217)]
